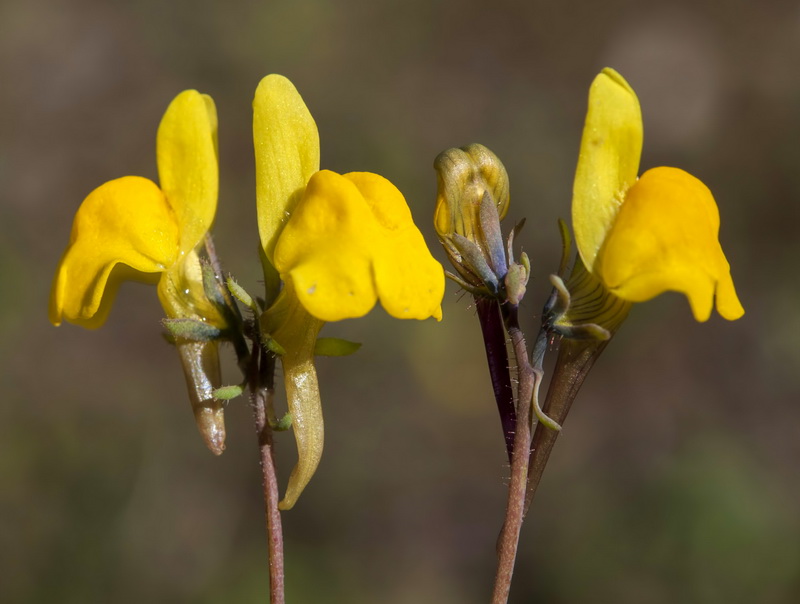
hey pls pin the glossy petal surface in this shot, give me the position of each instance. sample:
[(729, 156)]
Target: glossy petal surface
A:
[(665, 238), (350, 240), (186, 151), (608, 162), (124, 221), (287, 154), (296, 331)]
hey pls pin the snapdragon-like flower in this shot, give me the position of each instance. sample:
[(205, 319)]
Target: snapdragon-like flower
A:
[(132, 229), (339, 243), (640, 237)]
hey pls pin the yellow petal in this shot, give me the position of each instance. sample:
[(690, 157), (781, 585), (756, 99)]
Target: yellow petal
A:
[(343, 248), (186, 150), (608, 162), (125, 221), (287, 154), (326, 249), (665, 238), (409, 281), (296, 331)]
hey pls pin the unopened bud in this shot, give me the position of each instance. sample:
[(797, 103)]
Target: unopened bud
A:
[(465, 175), (472, 199)]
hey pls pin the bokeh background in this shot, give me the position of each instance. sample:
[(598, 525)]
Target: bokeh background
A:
[(676, 479)]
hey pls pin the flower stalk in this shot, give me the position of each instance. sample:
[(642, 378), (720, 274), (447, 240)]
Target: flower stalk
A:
[(515, 508), (258, 365), (262, 391)]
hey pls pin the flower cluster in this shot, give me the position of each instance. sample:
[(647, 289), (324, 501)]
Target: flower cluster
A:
[(333, 245)]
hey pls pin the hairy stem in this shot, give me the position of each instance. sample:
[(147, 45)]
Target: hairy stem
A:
[(262, 390), (515, 508)]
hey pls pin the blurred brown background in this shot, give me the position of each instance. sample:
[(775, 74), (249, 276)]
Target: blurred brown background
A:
[(676, 479)]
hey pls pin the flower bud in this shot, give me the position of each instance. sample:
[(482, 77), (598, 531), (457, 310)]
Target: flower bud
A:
[(473, 196), (465, 175)]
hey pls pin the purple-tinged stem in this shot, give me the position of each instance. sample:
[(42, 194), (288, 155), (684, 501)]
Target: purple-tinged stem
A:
[(494, 339)]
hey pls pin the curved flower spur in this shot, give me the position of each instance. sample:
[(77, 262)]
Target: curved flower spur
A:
[(338, 244)]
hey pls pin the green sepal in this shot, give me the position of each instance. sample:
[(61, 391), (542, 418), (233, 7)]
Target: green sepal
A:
[(475, 291), (226, 393), (335, 347), (238, 292), (192, 330), (272, 345), (525, 262), (282, 424), (211, 286), (473, 258)]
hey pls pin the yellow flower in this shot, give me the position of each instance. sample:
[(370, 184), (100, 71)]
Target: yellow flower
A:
[(339, 242), (642, 237), (132, 229)]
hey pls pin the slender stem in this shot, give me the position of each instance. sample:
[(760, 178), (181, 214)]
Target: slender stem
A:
[(515, 508), (260, 380), (494, 340), (260, 371)]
